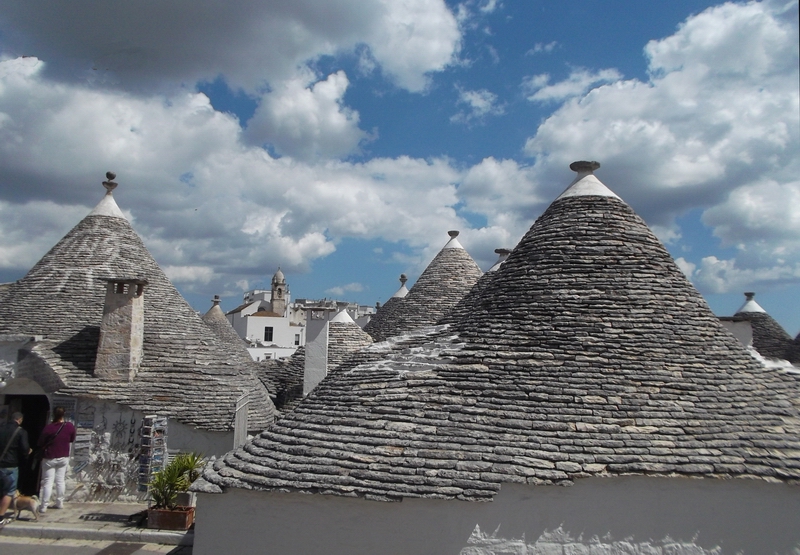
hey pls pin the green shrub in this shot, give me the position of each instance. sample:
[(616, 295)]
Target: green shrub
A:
[(174, 478)]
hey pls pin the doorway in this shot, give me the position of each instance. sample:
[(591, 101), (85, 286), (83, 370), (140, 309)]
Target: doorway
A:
[(35, 410)]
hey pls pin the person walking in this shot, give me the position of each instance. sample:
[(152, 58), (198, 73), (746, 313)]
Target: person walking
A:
[(14, 443), (55, 441)]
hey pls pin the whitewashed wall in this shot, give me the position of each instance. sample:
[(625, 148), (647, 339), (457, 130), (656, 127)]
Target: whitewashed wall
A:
[(608, 516), (104, 465), (185, 438)]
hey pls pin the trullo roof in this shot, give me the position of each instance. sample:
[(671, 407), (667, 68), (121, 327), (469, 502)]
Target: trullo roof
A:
[(186, 372), (445, 281), (589, 355), (769, 338)]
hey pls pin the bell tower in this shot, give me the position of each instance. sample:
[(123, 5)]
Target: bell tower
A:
[(280, 293)]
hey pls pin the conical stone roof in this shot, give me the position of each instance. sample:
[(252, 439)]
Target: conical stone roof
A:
[(464, 307), (794, 351), (381, 322), (219, 324), (590, 355), (769, 338), (445, 281), (344, 337), (186, 372)]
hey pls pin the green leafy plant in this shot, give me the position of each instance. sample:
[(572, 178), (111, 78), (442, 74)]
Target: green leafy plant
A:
[(191, 464), (165, 486), (174, 478)]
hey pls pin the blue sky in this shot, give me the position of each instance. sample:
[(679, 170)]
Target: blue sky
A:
[(342, 140)]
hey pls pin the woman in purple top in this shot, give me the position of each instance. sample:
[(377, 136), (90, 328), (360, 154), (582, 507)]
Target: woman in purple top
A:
[(56, 439)]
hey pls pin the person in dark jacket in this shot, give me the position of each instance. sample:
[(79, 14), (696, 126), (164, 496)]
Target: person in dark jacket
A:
[(56, 439), (15, 449)]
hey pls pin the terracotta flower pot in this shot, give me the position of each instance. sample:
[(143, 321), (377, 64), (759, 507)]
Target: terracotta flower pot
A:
[(179, 518)]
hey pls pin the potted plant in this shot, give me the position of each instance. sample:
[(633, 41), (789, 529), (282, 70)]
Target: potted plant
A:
[(166, 513), (191, 464)]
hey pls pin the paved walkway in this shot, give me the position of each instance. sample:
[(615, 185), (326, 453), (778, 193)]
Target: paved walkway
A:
[(94, 521)]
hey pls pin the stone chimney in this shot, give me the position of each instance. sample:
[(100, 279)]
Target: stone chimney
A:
[(119, 352)]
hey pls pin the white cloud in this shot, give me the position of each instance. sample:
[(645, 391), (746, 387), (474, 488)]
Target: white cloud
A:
[(723, 276), (540, 47), (489, 6), (696, 130), (686, 267), (340, 290), (22, 249), (249, 43), (306, 119), (480, 103), (759, 211), (186, 274), (579, 81), (197, 193), (716, 126)]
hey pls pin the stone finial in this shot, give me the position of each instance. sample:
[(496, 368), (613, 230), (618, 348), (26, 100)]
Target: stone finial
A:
[(110, 185), (453, 234), (403, 279), (582, 166), (215, 300), (749, 295)]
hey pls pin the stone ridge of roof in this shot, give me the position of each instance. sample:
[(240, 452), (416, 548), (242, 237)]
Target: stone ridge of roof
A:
[(589, 355), (186, 371)]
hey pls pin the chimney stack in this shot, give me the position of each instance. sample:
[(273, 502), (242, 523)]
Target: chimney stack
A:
[(120, 349)]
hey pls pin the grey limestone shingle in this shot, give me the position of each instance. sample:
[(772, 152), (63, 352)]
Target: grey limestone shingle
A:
[(445, 281), (587, 354), (219, 324), (186, 372), (769, 338)]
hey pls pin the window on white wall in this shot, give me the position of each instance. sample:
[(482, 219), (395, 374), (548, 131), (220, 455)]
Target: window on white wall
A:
[(268, 333), (297, 339)]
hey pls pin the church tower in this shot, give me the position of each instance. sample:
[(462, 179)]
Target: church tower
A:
[(280, 293)]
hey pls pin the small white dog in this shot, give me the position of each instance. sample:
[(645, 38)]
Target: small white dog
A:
[(26, 503)]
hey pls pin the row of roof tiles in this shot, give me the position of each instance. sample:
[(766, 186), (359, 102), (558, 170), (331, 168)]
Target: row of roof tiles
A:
[(587, 353)]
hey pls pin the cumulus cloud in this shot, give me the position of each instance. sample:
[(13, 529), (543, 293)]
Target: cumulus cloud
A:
[(715, 126), (479, 104), (723, 276), (200, 195), (306, 119), (540, 47), (686, 267), (340, 290), (134, 46), (713, 116), (539, 89), (188, 274)]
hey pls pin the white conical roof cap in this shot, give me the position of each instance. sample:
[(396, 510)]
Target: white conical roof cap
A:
[(502, 255), (343, 316), (403, 291), (750, 305), (585, 183), (107, 205), (453, 242)]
